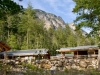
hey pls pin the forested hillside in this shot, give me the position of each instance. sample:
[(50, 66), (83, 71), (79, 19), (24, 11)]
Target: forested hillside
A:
[(25, 30)]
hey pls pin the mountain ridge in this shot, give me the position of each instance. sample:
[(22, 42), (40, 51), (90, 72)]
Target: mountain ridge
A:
[(51, 19)]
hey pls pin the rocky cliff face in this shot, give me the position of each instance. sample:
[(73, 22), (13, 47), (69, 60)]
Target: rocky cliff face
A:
[(50, 19), (73, 27)]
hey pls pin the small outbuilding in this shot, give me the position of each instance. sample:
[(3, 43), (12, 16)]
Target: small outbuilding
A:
[(80, 51), (36, 53), (4, 48)]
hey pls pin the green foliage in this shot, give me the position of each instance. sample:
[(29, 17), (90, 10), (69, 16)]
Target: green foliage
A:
[(99, 45), (4, 68), (24, 44), (8, 7), (88, 14), (12, 41), (29, 66), (26, 31), (32, 67)]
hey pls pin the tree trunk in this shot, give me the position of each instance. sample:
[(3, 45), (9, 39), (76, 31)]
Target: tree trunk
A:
[(27, 39)]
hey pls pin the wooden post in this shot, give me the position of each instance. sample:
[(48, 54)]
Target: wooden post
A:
[(5, 55), (94, 52), (77, 54), (99, 59), (61, 53), (64, 54)]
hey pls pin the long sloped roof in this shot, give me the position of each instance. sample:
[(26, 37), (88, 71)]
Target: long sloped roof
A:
[(78, 48), (27, 52), (4, 47)]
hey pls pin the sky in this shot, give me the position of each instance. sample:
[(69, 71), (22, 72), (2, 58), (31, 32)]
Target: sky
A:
[(62, 8)]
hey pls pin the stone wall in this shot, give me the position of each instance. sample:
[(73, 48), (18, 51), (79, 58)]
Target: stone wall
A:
[(63, 63), (59, 63)]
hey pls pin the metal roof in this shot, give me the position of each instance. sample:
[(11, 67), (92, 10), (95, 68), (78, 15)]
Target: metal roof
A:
[(78, 48), (26, 52)]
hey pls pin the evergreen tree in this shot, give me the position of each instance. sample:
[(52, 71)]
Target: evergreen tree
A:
[(12, 41)]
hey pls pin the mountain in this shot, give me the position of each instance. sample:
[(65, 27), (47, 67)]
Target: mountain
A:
[(51, 19), (73, 27)]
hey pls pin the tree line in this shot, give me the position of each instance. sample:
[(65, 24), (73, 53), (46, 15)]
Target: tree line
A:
[(24, 30)]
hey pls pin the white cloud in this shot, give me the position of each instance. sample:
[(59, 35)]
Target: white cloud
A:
[(66, 5), (61, 8), (34, 3), (37, 4), (60, 3)]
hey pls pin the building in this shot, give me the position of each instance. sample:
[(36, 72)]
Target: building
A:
[(4, 48), (36, 53), (80, 51)]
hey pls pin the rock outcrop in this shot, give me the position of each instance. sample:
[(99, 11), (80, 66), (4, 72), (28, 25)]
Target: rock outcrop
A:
[(56, 21), (50, 19)]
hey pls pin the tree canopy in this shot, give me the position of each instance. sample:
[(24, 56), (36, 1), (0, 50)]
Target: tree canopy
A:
[(88, 14), (9, 7), (24, 30)]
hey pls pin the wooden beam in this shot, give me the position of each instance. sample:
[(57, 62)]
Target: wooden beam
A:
[(77, 54), (5, 55), (4, 46), (99, 59)]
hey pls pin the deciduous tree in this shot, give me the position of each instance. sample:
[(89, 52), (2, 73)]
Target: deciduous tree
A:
[(88, 12)]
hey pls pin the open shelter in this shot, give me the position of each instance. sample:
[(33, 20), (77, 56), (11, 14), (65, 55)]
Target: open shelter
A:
[(80, 51), (4, 48)]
